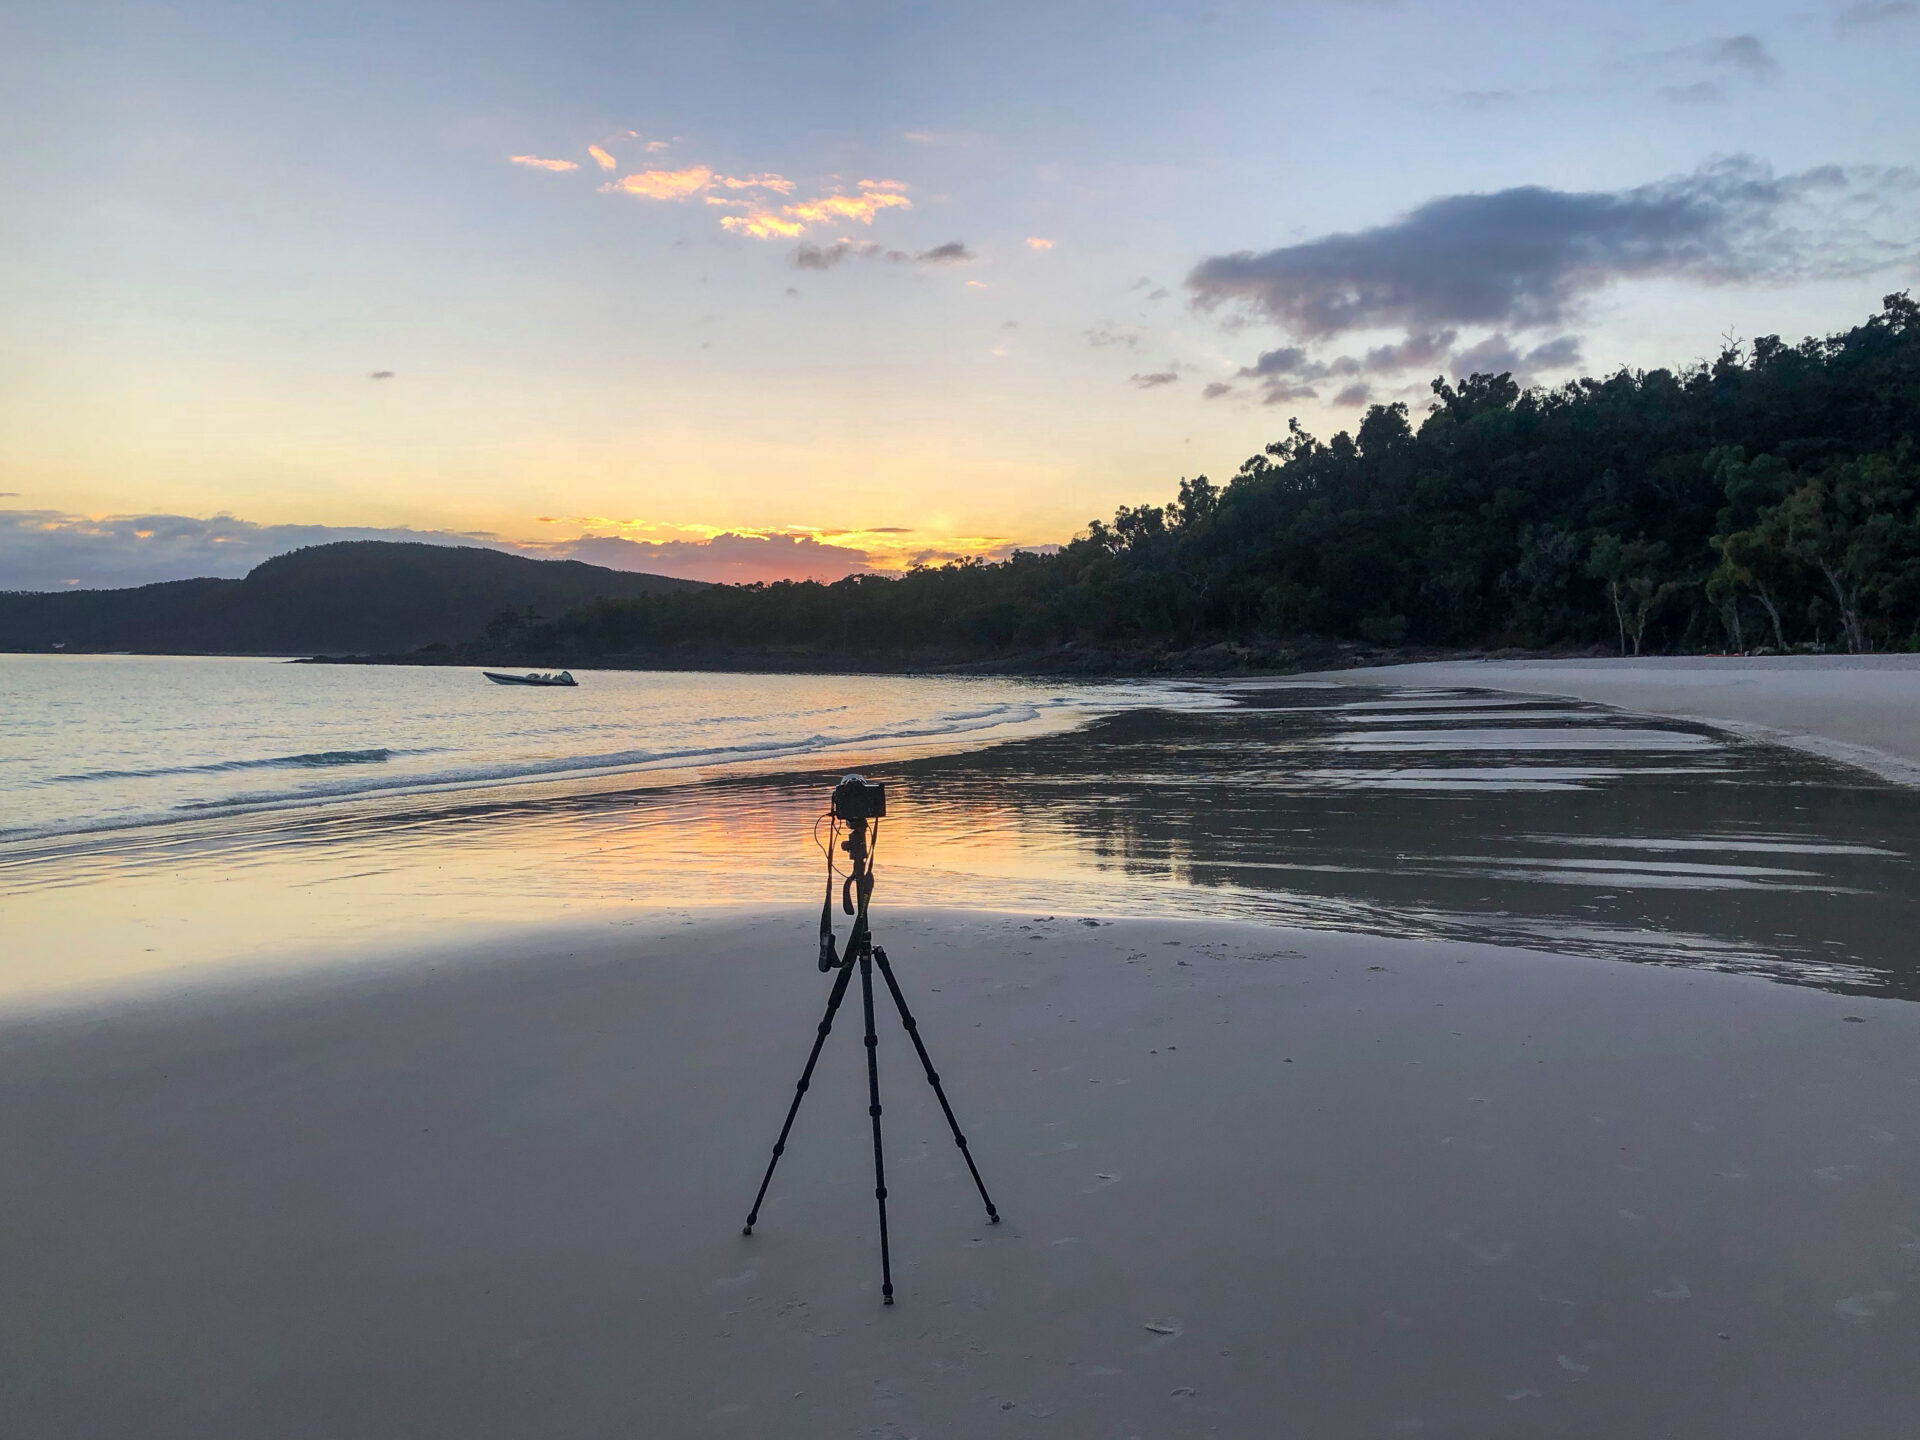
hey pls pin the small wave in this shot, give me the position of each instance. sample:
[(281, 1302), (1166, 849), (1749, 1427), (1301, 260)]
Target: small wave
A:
[(559, 767), (317, 760)]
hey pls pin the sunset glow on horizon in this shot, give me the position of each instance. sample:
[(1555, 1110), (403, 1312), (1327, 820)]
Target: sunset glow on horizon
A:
[(866, 287)]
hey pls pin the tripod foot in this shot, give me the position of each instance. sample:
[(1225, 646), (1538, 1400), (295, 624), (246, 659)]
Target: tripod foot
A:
[(746, 1229)]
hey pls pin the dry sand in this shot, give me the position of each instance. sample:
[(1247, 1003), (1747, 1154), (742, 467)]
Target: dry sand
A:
[(1256, 1182), (1861, 710)]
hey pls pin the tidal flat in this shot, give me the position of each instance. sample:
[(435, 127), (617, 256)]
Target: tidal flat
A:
[(1353, 1059)]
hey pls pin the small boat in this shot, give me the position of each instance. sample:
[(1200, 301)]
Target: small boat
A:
[(565, 677)]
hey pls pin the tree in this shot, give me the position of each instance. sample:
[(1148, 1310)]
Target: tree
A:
[(1631, 570), (1855, 527)]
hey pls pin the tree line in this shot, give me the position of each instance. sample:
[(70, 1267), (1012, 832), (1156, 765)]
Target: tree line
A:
[(1765, 499)]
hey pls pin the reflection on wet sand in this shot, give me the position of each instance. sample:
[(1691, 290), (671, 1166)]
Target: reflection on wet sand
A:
[(1301, 805)]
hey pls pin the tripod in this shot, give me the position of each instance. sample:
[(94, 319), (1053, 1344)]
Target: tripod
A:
[(861, 949)]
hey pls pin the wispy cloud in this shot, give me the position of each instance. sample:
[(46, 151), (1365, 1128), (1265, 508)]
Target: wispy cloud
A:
[(1153, 380), (1874, 13), (381, 375), (1039, 242), (1739, 52), (825, 257), (750, 196)]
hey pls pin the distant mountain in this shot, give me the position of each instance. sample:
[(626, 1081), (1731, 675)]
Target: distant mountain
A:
[(353, 598)]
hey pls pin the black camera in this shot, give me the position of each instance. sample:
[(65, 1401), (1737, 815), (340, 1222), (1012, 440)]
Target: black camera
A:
[(858, 798)]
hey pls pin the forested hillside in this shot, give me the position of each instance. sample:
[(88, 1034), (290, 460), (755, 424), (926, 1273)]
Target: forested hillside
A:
[(356, 596), (1764, 500)]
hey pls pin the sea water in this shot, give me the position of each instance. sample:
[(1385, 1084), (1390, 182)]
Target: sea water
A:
[(164, 816), (90, 743)]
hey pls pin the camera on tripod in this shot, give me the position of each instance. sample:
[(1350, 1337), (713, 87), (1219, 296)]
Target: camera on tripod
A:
[(858, 798)]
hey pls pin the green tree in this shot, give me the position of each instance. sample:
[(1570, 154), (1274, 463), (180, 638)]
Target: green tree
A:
[(1632, 570)]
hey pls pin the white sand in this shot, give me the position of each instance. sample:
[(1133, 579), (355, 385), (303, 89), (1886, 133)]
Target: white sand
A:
[(1301, 1184), (1861, 710)]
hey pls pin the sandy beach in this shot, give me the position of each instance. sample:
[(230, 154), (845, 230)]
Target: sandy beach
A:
[(1250, 1176), (1859, 710)]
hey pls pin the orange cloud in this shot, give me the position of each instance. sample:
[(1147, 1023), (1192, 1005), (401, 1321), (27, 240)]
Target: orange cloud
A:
[(761, 221), (763, 226), (664, 184), (862, 207), (778, 183), (607, 162), (1036, 242), (537, 163)]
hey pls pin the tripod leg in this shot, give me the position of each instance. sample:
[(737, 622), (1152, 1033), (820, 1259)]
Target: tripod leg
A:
[(933, 1079), (873, 1109), (800, 1090)]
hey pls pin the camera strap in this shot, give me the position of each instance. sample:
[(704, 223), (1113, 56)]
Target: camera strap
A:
[(829, 952)]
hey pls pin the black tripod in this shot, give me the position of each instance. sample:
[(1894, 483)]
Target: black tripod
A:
[(860, 947)]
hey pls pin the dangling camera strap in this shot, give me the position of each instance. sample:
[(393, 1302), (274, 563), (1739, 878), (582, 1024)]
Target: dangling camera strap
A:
[(829, 952)]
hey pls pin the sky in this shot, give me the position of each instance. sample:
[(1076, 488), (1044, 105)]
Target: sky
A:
[(748, 290)]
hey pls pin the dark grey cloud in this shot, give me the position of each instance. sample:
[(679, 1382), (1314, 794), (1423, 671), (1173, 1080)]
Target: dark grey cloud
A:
[(1419, 348), (1741, 52), (825, 257), (1528, 260), (1215, 389), (1154, 380), (1870, 15), (1526, 257), (1287, 360), (1291, 372), (1497, 354), (1284, 392), (52, 550), (381, 375), (820, 257)]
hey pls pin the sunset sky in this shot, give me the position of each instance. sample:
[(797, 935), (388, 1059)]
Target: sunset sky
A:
[(854, 284)]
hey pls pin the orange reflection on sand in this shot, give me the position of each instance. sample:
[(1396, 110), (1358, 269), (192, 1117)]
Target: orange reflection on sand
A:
[(284, 889)]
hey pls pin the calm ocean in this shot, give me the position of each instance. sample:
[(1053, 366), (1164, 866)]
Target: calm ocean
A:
[(104, 742)]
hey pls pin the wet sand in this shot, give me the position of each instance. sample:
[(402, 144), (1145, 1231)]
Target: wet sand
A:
[(1861, 710), (1256, 1181)]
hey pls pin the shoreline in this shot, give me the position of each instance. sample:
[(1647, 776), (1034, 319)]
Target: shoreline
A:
[(1250, 1177), (1857, 710)]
